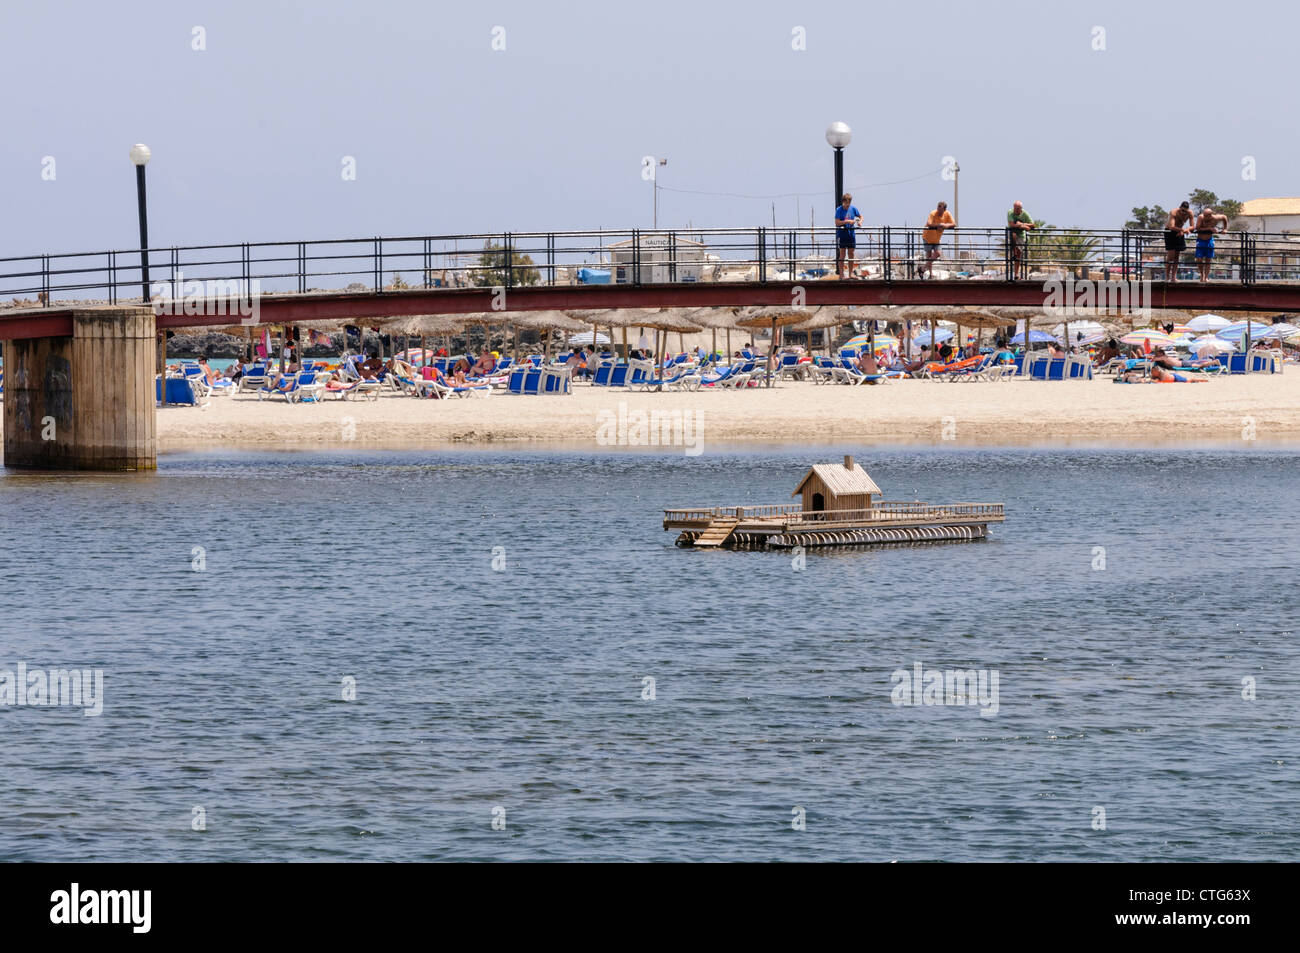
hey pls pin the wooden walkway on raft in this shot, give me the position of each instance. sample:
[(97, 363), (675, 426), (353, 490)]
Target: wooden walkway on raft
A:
[(785, 525)]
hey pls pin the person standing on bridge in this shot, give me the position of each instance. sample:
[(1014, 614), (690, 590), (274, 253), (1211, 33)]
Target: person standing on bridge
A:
[(846, 219), (1018, 222), (939, 221), (1207, 224), (1179, 224)]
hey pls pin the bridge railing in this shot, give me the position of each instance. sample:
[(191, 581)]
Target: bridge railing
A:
[(632, 256)]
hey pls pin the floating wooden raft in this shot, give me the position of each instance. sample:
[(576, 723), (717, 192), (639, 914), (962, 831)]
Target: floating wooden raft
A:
[(823, 519)]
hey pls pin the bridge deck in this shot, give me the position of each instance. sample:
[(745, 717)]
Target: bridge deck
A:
[(24, 323)]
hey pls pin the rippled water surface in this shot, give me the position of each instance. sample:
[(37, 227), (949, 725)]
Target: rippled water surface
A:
[(1119, 688)]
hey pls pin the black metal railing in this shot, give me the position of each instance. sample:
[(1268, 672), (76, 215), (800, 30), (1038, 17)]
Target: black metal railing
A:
[(631, 256)]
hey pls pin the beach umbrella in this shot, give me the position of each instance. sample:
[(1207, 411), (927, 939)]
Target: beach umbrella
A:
[(1139, 337), (861, 340), (929, 338), (1208, 322), (416, 355), (1211, 345), (1082, 327), (777, 316), (1035, 337), (1283, 332), (958, 315), (587, 339), (1244, 329)]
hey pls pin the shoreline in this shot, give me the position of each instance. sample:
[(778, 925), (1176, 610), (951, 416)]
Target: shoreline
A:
[(1248, 410), (543, 446)]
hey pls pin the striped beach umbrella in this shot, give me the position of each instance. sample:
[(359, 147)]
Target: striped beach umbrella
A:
[(882, 341), (1257, 330), (1139, 337)]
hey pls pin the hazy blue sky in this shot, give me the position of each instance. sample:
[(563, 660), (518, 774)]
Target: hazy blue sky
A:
[(248, 136)]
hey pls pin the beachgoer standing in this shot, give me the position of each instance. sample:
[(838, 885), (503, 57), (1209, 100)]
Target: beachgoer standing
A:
[(1206, 225), (1179, 224), (1018, 222), (939, 221), (846, 219)]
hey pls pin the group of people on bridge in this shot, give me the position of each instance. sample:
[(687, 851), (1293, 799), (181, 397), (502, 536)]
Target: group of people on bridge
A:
[(1181, 221)]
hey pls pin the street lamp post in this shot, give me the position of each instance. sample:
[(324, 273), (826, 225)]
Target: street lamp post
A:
[(838, 135), (662, 163), (956, 213), (140, 155)]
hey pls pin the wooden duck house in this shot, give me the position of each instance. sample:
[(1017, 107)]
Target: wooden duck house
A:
[(829, 486), (839, 505)]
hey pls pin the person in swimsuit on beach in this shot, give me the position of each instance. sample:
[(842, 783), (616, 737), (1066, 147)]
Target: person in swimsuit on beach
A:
[(867, 363), (1179, 224), (209, 374), (1162, 376), (1205, 228)]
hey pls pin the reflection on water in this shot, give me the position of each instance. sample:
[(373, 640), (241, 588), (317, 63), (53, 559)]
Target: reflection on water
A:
[(522, 687)]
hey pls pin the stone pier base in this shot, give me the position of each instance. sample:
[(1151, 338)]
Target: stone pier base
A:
[(84, 402)]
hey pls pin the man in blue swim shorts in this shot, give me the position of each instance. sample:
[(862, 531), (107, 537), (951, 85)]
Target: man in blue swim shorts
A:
[(846, 218), (1207, 223)]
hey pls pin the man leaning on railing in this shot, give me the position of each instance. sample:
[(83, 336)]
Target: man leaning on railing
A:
[(1018, 222)]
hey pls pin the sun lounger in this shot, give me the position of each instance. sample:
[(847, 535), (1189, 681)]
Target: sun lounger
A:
[(555, 380), (821, 370), (722, 376), (282, 388), (363, 389), (180, 391), (740, 377), (790, 367)]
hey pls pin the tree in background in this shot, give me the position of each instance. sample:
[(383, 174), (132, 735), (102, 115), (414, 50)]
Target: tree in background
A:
[(491, 270), (1154, 217)]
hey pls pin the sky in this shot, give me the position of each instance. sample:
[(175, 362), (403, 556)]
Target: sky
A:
[(1080, 110)]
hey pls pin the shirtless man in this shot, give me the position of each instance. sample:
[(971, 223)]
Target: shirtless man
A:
[(1207, 224), (1179, 224)]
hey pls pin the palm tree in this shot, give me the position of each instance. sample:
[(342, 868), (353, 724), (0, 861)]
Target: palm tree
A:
[(1072, 250)]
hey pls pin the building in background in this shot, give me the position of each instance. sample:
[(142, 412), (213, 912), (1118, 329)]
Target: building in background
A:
[(1271, 215), (657, 259)]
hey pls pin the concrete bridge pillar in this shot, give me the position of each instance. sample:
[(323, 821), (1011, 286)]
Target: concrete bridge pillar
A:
[(85, 401)]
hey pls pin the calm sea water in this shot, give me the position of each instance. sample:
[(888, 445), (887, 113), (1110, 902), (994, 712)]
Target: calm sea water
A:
[(521, 688)]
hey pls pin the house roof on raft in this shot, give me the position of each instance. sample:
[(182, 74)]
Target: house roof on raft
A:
[(844, 479)]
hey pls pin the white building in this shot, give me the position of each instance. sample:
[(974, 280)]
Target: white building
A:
[(656, 258), (1271, 215)]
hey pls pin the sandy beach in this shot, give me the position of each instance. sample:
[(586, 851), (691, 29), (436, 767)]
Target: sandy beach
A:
[(917, 411)]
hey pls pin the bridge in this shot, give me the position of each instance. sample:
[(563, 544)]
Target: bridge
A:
[(80, 329), (365, 279)]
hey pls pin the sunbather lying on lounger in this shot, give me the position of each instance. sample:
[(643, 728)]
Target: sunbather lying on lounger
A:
[(1160, 375)]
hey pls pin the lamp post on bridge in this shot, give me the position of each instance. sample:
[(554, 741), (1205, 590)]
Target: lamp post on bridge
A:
[(662, 162), (838, 135), (140, 156)]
